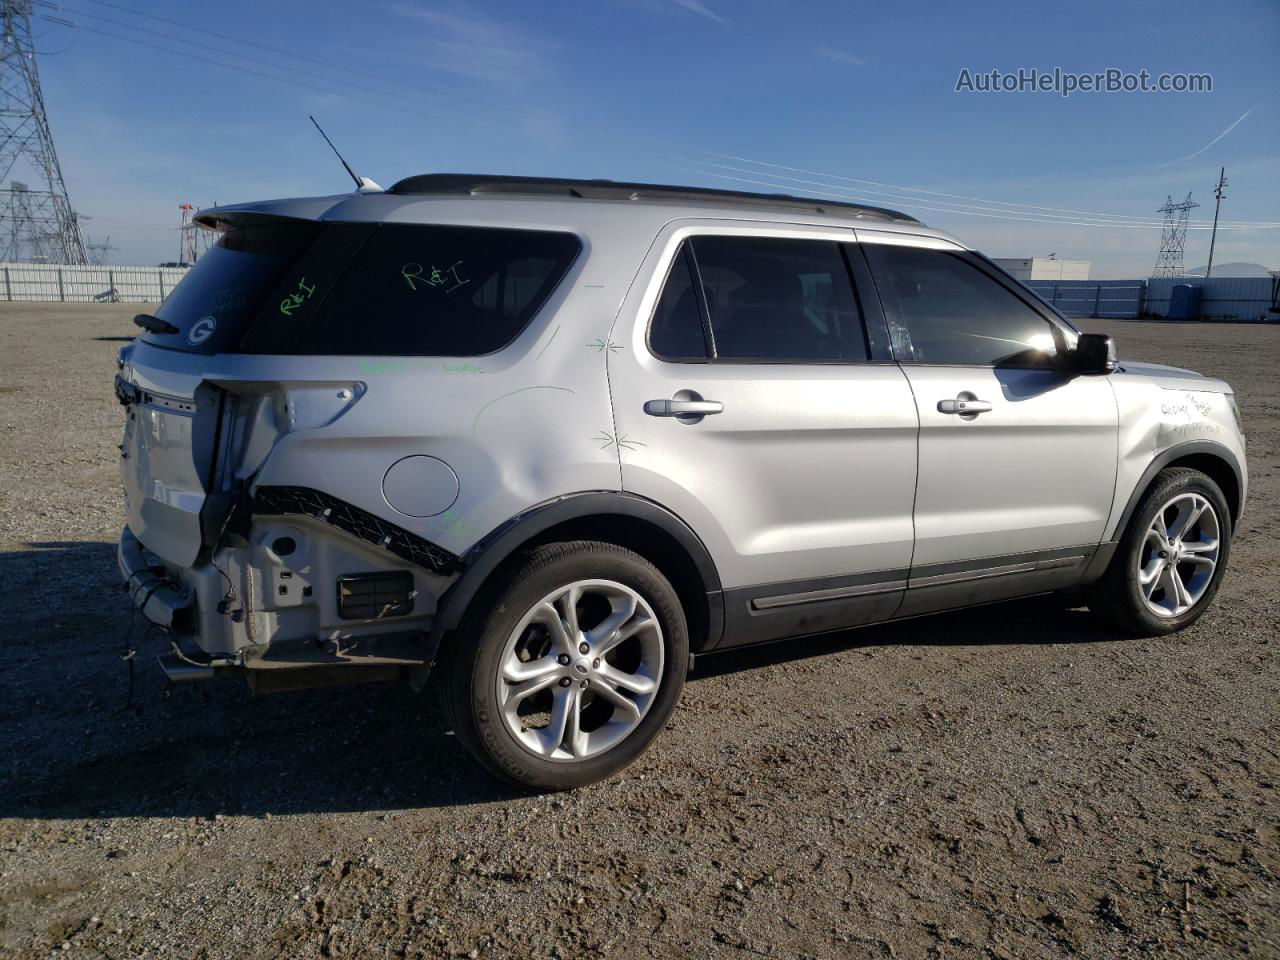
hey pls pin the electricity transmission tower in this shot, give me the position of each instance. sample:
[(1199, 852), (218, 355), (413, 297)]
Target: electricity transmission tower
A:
[(192, 241), (1219, 191), (35, 224), (1173, 238), (99, 252)]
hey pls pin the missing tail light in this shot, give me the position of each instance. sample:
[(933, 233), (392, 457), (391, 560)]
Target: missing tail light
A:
[(375, 596)]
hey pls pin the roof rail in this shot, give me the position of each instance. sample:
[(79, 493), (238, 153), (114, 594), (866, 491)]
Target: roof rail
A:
[(475, 184)]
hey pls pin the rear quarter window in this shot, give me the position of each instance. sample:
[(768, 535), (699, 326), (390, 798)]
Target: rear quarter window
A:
[(420, 290), (217, 300)]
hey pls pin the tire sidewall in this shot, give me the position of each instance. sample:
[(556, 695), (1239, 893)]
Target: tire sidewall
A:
[(489, 640), (1157, 499)]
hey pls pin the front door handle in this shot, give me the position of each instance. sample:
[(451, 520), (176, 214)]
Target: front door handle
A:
[(965, 406), (682, 408)]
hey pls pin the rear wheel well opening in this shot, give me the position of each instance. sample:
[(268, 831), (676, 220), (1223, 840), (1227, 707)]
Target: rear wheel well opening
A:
[(1220, 472), (653, 543)]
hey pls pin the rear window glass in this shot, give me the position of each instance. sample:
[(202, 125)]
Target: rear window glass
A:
[(415, 290), (219, 297)]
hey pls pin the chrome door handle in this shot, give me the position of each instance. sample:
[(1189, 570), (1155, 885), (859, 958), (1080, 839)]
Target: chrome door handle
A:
[(682, 408), (966, 408)]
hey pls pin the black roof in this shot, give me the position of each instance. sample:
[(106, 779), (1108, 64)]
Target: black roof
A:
[(472, 184)]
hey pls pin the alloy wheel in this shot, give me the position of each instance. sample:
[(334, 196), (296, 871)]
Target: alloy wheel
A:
[(1179, 555), (581, 669)]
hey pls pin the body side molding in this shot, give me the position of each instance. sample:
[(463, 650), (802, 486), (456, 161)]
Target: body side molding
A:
[(767, 612)]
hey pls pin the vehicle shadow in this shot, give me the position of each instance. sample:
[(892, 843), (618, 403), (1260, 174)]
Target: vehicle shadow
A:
[(1040, 620), (83, 739)]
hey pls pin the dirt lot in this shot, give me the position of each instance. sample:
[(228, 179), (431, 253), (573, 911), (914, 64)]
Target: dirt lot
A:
[(1013, 782)]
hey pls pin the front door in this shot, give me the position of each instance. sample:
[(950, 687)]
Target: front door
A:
[(1017, 450), (750, 399)]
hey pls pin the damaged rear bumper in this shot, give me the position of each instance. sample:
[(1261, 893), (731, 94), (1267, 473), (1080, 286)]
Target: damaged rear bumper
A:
[(152, 593), (244, 613)]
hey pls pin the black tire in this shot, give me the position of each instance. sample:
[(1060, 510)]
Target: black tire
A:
[(470, 662), (1116, 597)]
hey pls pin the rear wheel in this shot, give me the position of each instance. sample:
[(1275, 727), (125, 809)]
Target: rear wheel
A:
[(1171, 558), (567, 670)]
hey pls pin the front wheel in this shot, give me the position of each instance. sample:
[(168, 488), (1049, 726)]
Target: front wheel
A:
[(1171, 558), (566, 671)]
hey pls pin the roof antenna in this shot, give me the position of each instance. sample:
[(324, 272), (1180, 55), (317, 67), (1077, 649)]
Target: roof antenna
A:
[(363, 184)]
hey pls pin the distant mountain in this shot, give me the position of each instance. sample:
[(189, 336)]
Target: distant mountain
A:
[(1231, 270)]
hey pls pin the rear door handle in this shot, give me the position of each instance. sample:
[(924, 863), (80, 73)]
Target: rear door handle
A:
[(682, 408), (966, 408)]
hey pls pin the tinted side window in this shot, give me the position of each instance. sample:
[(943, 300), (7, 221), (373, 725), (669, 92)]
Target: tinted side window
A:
[(779, 299), (416, 290), (227, 287), (511, 290), (293, 303), (946, 310), (676, 331)]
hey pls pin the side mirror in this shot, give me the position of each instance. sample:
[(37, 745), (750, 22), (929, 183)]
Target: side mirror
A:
[(1095, 353)]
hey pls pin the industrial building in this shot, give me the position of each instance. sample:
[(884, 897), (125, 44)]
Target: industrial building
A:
[(1046, 268)]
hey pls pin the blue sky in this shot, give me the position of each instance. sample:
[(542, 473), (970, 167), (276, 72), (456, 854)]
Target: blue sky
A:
[(663, 90)]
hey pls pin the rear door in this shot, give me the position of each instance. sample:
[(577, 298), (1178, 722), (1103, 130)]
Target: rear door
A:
[(166, 459), (754, 396), (174, 419), (1017, 450)]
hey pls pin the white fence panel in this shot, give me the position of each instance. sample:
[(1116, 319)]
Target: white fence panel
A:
[(56, 282), (1226, 298), (1115, 299)]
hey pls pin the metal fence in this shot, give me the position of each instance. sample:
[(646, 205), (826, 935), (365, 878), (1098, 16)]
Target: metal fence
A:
[(55, 282), (1117, 299), (1225, 298)]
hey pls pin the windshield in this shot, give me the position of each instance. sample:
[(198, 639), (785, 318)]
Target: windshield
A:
[(224, 291)]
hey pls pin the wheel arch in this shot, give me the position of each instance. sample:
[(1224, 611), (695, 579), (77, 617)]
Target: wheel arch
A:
[(1212, 459), (624, 519)]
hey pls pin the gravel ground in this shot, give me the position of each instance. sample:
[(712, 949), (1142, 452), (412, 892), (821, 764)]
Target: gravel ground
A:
[(1011, 782)]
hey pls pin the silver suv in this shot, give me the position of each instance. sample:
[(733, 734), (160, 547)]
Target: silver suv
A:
[(556, 438)]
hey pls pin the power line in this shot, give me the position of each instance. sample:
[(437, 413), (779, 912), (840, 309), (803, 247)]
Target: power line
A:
[(934, 206), (225, 36), (977, 206), (381, 91), (942, 206), (939, 207), (911, 203), (951, 196), (390, 87), (296, 83), (984, 204)]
